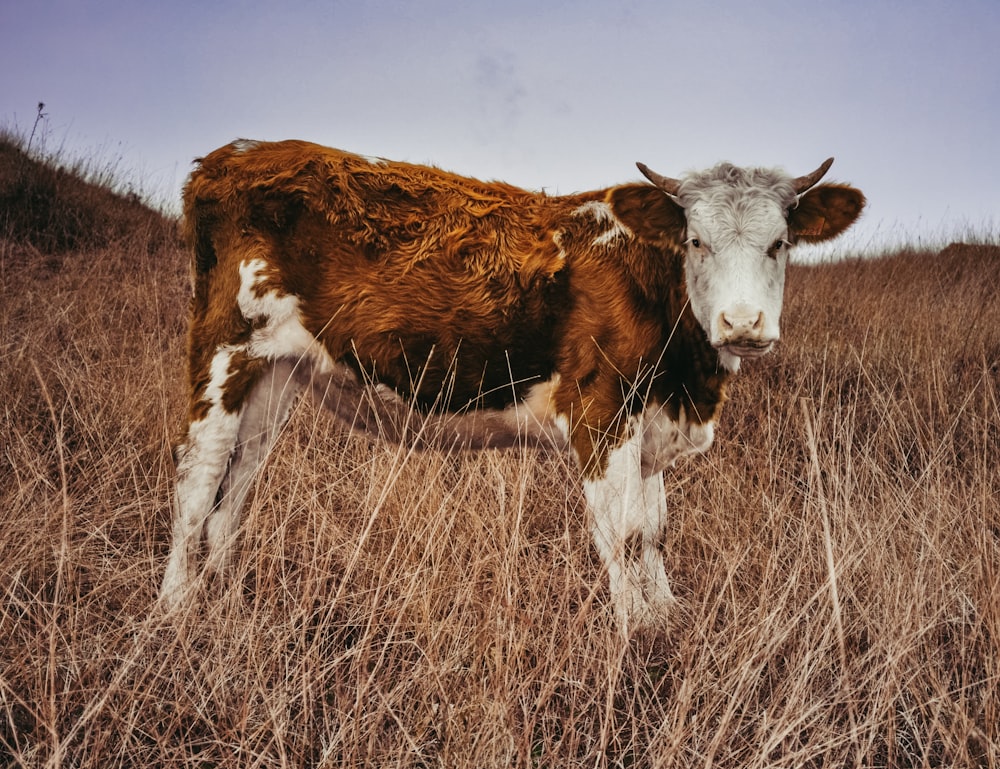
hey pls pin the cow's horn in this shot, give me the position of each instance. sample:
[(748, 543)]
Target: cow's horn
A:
[(803, 183), (665, 183)]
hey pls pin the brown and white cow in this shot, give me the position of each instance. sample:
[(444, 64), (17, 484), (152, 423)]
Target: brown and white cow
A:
[(605, 321)]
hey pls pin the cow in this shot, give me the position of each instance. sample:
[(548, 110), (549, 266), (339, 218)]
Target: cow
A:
[(605, 322)]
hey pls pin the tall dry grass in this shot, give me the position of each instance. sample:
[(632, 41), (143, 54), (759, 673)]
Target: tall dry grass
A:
[(837, 555)]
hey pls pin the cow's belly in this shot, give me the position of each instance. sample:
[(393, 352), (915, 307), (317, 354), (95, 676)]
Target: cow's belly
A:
[(382, 412), (446, 376)]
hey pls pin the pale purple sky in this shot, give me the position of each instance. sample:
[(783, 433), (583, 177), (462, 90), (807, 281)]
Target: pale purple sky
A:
[(545, 94)]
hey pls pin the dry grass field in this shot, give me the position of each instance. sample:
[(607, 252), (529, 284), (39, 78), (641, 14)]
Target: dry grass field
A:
[(837, 552)]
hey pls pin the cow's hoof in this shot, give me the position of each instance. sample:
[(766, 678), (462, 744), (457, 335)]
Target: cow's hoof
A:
[(643, 608)]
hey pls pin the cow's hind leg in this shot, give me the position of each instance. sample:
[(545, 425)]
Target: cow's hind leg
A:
[(264, 413), (238, 416), (202, 460)]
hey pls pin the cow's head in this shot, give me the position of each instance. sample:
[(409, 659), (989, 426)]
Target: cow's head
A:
[(739, 224)]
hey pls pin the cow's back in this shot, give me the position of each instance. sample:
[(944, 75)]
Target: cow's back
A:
[(412, 274)]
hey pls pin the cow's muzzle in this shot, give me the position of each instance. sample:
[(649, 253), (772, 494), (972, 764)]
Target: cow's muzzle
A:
[(744, 332)]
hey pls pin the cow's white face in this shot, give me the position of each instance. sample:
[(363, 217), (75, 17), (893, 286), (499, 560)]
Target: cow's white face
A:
[(738, 226), (737, 250)]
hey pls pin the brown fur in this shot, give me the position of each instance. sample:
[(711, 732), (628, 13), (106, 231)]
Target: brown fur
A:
[(434, 283), (825, 211)]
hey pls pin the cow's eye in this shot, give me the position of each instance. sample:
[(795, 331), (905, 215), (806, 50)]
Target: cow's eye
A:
[(775, 249), (695, 243)]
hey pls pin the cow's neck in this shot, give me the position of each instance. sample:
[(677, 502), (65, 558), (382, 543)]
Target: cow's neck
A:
[(689, 374)]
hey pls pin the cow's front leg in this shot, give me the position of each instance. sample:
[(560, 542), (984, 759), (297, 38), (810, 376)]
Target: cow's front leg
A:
[(628, 517)]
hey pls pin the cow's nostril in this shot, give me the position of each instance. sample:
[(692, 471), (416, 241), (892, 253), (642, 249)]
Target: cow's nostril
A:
[(739, 323)]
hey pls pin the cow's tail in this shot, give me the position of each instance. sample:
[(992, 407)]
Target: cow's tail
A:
[(201, 219), (212, 196)]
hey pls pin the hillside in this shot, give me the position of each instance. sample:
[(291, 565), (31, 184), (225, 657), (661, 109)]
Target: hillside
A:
[(54, 207), (837, 553)]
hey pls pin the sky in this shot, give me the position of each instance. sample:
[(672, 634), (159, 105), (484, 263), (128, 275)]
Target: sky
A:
[(546, 94)]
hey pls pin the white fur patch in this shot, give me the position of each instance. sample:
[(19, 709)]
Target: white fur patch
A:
[(603, 214), (254, 306), (211, 437), (218, 374), (729, 361), (600, 210), (557, 238), (610, 236), (665, 440), (535, 415), (282, 335), (242, 146)]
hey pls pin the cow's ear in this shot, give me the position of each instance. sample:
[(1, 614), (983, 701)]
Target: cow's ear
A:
[(649, 212), (824, 212)]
